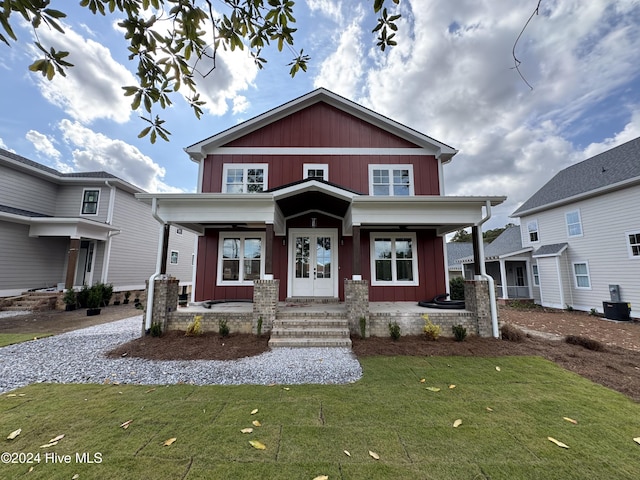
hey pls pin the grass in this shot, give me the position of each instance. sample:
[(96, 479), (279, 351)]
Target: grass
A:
[(13, 338), (306, 428)]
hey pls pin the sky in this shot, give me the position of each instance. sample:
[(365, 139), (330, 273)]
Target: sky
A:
[(451, 77)]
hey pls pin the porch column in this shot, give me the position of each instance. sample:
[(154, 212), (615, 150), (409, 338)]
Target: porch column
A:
[(268, 250), (476, 251), (503, 280), (165, 248), (356, 263), (72, 264), (529, 277)]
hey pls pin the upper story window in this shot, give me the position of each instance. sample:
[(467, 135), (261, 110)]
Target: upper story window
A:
[(532, 229), (244, 178), (393, 259), (173, 259), (90, 202), (316, 170), (574, 223), (178, 231), (633, 243), (391, 180)]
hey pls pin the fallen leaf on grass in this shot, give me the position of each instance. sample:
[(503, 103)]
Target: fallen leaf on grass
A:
[(30, 470), (76, 476), (451, 387), (637, 440), (498, 369), (256, 423), (14, 434), (457, 423), (346, 452), (489, 409), (560, 444), (57, 439), (169, 442), (422, 380), (126, 424), (247, 430), (433, 389), (286, 389), (374, 455), (254, 411), (150, 390), (321, 477), (570, 420), (47, 445), (257, 445)]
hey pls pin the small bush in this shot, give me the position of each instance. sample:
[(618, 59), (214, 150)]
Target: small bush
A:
[(259, 327), (431, 331), (156, 329), (512, 334), (456, 287), (521, 305), (83, 297), (195, 327), (459, 333), (223, 328), (585, 342), (394, 330), (593, 312), (568, 308), (70, 297), (363, 327)]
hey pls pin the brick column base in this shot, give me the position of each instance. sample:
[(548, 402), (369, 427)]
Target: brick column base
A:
[(356, 299), (477, 300), (165, 301), (265, 303)]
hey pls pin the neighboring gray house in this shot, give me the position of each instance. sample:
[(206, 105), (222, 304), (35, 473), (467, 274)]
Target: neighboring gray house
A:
[(584, 229), (72, 229), (455, 252), (508, 262)]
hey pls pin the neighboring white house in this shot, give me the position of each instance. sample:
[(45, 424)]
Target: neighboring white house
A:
[(584, 229), (72, 229)]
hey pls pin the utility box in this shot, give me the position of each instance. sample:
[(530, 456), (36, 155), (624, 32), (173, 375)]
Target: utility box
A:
[(614, 292), (617, 310)]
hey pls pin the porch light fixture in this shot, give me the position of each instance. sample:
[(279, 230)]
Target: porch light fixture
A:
[(314, 222)]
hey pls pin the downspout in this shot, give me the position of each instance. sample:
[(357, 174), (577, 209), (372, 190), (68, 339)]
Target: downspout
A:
[(152, 278), (488, 278), (107, 253)]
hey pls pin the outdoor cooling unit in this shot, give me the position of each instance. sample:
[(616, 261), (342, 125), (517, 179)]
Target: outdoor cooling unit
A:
[(615, 309)]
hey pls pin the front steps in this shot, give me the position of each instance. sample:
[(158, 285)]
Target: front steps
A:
[(32, 301), (309, 329)]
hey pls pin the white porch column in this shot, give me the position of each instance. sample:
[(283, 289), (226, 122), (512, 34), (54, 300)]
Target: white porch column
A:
[(503, 279)]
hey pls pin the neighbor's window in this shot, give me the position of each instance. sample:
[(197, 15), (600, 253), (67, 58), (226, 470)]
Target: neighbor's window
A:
[(244, 178), (393, 259), (173, 260), (581, 271), (536, 275), (532, 228), (178, 231), (574, 224), (90, 202), (391, 180), (633, 239), (241, 258), (316, 170)]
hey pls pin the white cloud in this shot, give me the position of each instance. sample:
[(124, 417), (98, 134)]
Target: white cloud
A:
[(93, 151), (43, 144), (330, 9), (5, 147), (240, 104), (92, 88)]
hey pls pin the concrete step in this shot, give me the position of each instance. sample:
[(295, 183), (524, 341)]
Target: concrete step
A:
[(312, 300), (310, 323), (14, 308), (309, 332), (309, 342)]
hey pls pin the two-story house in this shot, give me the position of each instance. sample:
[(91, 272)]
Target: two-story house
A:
[(584, 228), (314, 192), (61, 230)]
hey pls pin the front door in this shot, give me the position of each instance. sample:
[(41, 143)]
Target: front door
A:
[(313, 260)]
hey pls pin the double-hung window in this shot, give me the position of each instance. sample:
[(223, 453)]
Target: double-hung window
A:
[(633, 244), (581, 272), (240, 260), (574, 224), (536, 275), (391, 180), (393, 259), (90, 202), (244, 178), (316, 170), (173, 259), (532, 229)]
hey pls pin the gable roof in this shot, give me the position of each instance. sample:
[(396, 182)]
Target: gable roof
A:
[(553, 250), (199, 150), (507, 244), (610, 170), (457, 251)]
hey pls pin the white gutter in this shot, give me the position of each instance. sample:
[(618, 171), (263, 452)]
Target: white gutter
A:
[(488, 278), (152, 278)]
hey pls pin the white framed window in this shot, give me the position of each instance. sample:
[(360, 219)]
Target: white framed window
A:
[(394, 259), (90, 197), (173, 259), (240, 258), (178, 231), (581, 275), (532, 230), (633, 243), (391, 180), (316, 170), (574, 223), (536, 275), (244, 177)]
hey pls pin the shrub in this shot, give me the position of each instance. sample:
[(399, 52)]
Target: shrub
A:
[(70, 297), (521, 305), (156, 329), (568, 308), (195, 327), (94, 299), (585, 342), (363, 327), (459, 333), (394, 330), (456, 287), (512, 334), (83, 297), (223, 328), (431, 331), (593, 312)]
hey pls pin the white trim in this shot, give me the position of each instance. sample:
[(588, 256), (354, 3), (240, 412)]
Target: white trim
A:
[(82, 202), (575, 275), (389, 168), (245, 167), (566, 220), (320, 151), (242, 236), (171, 262), (628, 242), (316, 166), (414, 259)]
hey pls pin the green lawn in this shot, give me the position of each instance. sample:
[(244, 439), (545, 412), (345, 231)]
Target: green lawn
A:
[(11, 338), (307, 428)]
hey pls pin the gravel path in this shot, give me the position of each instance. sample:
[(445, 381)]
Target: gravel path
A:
[(78, 357)]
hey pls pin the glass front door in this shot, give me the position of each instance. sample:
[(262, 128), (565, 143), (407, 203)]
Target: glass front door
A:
[(313, 258)]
